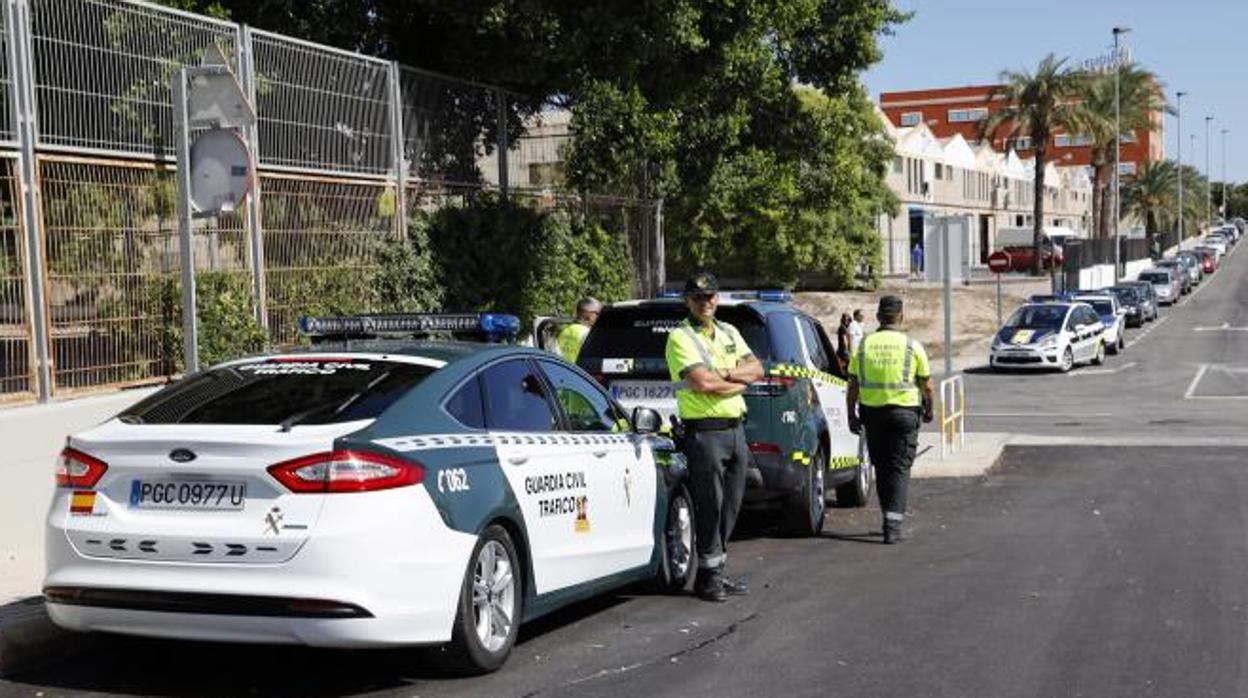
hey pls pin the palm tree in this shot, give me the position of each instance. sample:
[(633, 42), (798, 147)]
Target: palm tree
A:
[(1037, 105), (1151, 194), (1141, 95)]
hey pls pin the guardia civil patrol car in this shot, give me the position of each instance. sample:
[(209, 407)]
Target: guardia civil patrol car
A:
[(365, 494), (796, 426)]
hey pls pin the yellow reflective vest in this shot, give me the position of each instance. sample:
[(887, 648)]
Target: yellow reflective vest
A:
[(888, 366)]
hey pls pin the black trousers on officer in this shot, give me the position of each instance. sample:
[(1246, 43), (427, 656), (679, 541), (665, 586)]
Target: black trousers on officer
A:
[(718, 459), (892, 438)]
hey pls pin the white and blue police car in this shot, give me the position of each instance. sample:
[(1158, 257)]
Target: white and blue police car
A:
[(366, 492)]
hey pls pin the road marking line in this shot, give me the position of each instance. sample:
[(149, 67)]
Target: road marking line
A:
[(1009, 415), (1144, 333), (1195, 381), (1100, 371), (1224, 327)]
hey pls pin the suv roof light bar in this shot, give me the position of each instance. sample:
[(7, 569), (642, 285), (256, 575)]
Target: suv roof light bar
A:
[(493, 327)]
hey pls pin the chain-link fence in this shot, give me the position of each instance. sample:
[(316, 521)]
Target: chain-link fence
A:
[(348, 147)]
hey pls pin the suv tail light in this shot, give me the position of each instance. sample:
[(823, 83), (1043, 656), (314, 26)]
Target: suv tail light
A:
[(764, 447), (77, 469), (770, 386), (346, 471)]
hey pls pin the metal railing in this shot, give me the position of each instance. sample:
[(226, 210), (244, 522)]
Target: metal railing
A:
[(346, 148), (952, 414)]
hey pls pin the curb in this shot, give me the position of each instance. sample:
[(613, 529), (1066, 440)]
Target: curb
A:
[(30, 640)]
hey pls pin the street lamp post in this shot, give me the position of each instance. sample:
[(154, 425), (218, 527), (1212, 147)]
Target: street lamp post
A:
[(1178, 113), (1208, 176), (1118, 31), (1223, 208)]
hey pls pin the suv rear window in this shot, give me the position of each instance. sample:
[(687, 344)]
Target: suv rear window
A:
[(287, 391), (1155, 278), (640, 332)]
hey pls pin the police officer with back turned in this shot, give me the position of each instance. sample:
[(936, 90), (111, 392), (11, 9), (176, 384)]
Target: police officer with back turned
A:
[(713, 365), (890, 388)]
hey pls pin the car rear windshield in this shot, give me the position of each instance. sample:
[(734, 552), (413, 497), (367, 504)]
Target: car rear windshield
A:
[(285, 391), (1101, 307), (1127, 294), (1155, 278), (641, 332), (1038, 317)]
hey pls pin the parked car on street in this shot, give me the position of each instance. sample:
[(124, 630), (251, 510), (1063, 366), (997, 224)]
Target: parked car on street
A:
[(370, 493), (1209, 258), (1050, 335), (1194, 264), (1165, 283), (1179, 271), (1113, 317), (1148, 294), (1218, 243), (1138, 306), (798, 430)]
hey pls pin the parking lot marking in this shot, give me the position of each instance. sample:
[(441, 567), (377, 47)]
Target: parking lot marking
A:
[(1224, 327), (1200, 374), (1100, 371), (1014, 415), (1144, 332), (1191, 388)]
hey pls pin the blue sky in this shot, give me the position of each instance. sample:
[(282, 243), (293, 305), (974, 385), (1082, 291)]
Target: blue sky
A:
[(1197, 46)]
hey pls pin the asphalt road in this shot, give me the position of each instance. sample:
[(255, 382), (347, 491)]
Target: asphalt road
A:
[(1095, 571), (1184, 377), (1075, 570)]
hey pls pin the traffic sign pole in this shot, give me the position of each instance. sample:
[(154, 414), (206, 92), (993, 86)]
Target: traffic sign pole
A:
[(999, 263)]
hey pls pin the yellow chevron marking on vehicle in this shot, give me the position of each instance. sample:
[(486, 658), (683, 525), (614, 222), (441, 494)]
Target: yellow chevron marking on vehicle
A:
[(838, 462), (791, 371)]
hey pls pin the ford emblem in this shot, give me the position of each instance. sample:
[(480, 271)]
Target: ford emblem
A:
[(181, 455)]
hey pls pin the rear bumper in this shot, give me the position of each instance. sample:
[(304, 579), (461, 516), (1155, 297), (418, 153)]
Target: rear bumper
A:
[(380, 570), (772, 475)]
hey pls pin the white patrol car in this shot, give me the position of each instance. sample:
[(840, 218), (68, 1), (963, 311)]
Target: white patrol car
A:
[(1113, 317), (1049, 335), (365, 494)]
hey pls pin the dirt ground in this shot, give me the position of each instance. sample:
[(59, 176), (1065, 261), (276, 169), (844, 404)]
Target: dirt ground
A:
[(974, 319)]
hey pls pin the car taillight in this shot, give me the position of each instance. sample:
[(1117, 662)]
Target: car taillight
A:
[(77, 469), (764, 447), (770, 386), (346, 471)]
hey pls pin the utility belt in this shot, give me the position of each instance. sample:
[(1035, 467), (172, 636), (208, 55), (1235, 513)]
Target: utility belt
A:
[(712, 424)]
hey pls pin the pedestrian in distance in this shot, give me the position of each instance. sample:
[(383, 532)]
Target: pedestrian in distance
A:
[(890, 390), (572, 337), (844, 340), (856, 330), (916, 260), (713, 365)]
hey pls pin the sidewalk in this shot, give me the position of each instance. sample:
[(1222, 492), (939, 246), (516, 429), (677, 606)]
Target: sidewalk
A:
[(34, 436), (978, 456)]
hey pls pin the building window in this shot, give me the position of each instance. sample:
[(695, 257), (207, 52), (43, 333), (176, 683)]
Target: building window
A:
[(1065, 140), (1023, 143), (1126, 168), (1127, 138), (911, 118), (897, 165), (939, 171), (968, 115)]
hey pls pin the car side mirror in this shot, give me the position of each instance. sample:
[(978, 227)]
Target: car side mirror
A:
[(646, 421)]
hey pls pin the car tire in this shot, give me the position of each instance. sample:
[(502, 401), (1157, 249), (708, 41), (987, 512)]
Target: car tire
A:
[(858, 492), (478, 645), (1098, 359), (1122, 342), (1116, 346), (1068, 361), (678, 554), (804, 509)]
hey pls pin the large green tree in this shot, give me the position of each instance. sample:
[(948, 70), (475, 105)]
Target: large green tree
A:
[(692, 101), (1151, 195), (1039, 103)]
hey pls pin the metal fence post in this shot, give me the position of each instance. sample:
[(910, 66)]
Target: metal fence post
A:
[(255, 217), (21, 68), (182, 139), (503, 145), (398, 149), (659, 273)]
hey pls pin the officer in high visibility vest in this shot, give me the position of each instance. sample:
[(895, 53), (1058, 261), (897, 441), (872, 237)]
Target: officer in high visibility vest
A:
[(712, 365), (573, 336), (890, 388)]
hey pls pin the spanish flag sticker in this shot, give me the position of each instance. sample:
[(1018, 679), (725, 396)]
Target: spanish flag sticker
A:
[(82, 503)]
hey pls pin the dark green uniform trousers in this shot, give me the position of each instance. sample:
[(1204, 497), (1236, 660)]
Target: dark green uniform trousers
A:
[(892, 438), (718, 460)]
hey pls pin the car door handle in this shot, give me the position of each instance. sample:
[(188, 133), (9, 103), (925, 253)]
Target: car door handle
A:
[(518, 460), (600, 454)]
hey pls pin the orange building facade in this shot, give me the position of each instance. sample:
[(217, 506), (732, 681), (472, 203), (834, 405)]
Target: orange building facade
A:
[(959, 110)]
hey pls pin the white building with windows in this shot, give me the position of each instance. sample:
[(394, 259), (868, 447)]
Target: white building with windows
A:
[(936, 177)]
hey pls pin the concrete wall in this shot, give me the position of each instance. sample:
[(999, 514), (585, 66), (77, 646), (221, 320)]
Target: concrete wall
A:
[(1099, 276)]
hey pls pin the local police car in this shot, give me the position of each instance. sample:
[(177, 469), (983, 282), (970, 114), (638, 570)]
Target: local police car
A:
[(1113, 318), (365, 494), (796, 426), (1050, 335)]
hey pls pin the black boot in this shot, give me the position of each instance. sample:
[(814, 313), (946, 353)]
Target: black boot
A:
[(709, 586), (892, 532)]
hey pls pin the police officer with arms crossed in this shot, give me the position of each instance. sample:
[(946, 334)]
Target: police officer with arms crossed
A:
[(573, 336), (713, 364), (886, 374)]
